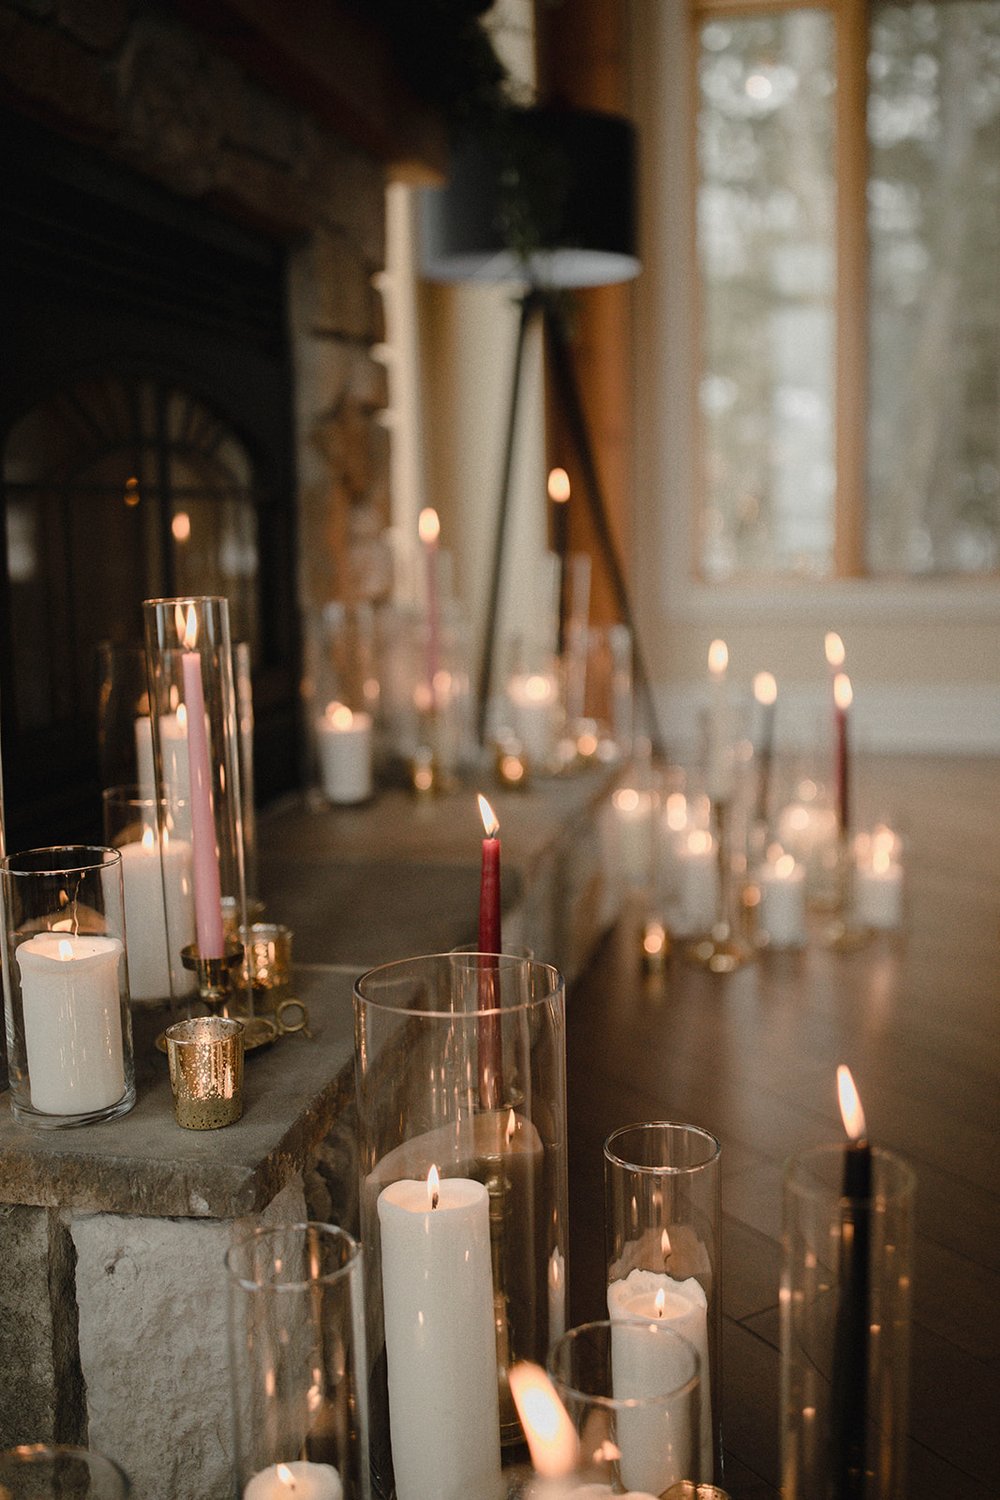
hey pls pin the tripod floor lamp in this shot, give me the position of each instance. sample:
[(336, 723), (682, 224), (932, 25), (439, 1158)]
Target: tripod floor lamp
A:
[(567, 201)]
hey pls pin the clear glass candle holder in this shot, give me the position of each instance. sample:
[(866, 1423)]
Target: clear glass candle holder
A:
[(44, 1471), (460, 1076), (157, 879), (662, 1215), (846, 1289), (124, 742), (197, 768), (297, 1364), (632, 1392), (65, 976)]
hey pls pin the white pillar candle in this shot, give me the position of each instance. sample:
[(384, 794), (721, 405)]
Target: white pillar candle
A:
[(298, 1480), (173, 749), (533, 697), (344, 742), (782, 910), (147, 920), (440, 1340), (632, 832), (878, 887), (72, 1022), (698, 868), (647, 1461)]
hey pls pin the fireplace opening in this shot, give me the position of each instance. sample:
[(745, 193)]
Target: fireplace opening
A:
[(146, 449)]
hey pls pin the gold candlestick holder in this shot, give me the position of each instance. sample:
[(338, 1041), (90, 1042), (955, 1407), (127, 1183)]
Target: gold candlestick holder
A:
[(214, 975), (844, 933)]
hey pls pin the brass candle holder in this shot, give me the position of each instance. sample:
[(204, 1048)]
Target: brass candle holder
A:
[(720, 950), (214, 975)]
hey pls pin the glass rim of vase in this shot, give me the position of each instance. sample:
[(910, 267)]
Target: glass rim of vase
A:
[(31, 1453), (331, 1233), (109, 858), (802, 1174), (504, 962), (640, 1326), (664, 1169), (189, 599)]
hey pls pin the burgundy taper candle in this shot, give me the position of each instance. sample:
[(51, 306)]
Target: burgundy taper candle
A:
[(490, 1040), (849, 1377), (842, 696)]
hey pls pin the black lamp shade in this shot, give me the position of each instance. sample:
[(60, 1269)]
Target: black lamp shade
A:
[(552, 205)]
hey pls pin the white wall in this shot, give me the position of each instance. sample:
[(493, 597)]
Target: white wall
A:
[(924, 656)]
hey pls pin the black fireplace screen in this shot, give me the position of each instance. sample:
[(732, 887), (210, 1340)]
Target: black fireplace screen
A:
[(145, 434)]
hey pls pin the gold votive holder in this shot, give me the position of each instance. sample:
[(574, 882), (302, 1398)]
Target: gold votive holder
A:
[(268, 948), (686, 1489), (205, 1058)]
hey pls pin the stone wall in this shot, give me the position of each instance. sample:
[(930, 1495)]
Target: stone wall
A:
[(142, 85)]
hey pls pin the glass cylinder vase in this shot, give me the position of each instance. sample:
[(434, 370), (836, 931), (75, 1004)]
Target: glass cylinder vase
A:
[(297, 1364), (197, 765), (53, 1471), (65, 975), (662, 1218), (460, 1075), (632, 1391), (157, 879), (845, 1328)]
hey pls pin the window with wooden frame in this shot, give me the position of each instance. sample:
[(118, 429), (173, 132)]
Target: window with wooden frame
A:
[(848, 252)]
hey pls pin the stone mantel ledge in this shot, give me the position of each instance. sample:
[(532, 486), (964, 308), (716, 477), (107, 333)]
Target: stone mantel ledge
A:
[(144, 1163)]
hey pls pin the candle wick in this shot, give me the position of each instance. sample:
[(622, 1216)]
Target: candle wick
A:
[(434, 1199)]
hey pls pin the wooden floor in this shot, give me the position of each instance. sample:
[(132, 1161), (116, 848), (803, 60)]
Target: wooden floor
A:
[(752, 1057)]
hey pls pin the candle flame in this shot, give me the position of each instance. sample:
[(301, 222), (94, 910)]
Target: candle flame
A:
[(834, 648), (665, 1244), (551, 1436), (428, 526), (784, 866), (340, 715), (881, 858), (718, 658), (511, 1127), (433, 1187), (285, 1476), (765, 688), (64, 949), (491, 823), (843, 693), (626, 799), (558, 486), (148, 838), (654, 938), (660, 1301), (851, 1112), (537, 689), (186, 625), (676, 811)]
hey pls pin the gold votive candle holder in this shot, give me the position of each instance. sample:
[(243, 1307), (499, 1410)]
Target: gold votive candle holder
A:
[(268, 948), (205, 1057)]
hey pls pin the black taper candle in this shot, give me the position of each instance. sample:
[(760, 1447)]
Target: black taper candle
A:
[(849, 1384)]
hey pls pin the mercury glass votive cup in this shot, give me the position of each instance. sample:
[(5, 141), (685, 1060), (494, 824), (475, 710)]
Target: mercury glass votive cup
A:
[(461, 1096), (205, 1058), (297, 1364), (632, 1392), (845, 1379), (662, 1218), (65, 979), (44, 1471)]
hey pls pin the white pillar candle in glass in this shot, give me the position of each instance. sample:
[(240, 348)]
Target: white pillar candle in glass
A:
[(782, 910), (698, 881), (533, 697), (297, 1480), (344, 743), (655, 1297), (72, 1021), (440, 1340), (173, 749), (633, 814), (878, 881), (147, 920)]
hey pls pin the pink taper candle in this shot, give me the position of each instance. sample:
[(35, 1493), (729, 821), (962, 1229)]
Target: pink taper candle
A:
[(207, 886)]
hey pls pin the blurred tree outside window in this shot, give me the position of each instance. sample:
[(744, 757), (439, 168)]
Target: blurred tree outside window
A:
[(771, 133)]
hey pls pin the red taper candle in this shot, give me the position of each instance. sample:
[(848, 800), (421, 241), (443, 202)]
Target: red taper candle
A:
[(489, 885), (490, 1035)]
